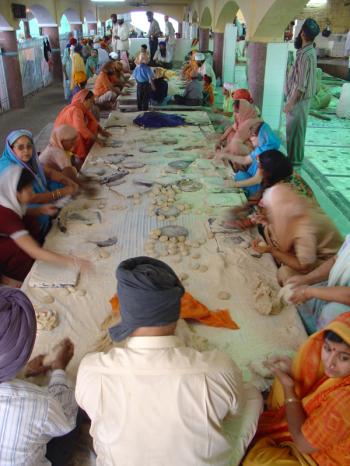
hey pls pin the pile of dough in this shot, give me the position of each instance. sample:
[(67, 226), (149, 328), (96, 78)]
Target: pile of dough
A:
[(46, 319), (266, 300)]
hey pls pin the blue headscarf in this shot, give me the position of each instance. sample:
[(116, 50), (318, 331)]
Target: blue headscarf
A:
[(267, 140), (8, 157)]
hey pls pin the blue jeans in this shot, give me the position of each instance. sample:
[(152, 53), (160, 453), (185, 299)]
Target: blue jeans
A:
[(316, 313)]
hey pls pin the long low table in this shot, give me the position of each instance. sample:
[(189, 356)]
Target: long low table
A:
[(230, 267)]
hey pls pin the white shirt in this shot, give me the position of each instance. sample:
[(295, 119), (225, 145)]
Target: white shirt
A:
[(122, 31), (30, 416), (158, 57), (156, 402), (169, 33)]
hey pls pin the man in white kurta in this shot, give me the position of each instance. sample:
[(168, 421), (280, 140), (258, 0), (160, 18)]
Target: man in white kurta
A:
[(122, 36), (170, 38), (152, 400)]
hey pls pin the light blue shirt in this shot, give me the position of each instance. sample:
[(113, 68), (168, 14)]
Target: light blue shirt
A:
[(143, 73), (30, 416)]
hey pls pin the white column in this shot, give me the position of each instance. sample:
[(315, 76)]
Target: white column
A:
[(229, 55), (186, 30), (275, 74)]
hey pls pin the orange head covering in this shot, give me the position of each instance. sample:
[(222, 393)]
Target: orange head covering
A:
[(242, 94)]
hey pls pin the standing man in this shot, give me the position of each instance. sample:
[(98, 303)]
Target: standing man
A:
[(300, 87), (153, 33), (114, 31), (169, 37), (122, 37)]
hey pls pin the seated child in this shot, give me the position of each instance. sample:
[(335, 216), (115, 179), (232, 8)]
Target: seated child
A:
[(193, 94), (208, 91), (159, 95)]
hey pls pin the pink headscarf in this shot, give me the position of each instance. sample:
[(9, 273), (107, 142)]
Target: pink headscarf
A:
[(237, 145), (247, 111)]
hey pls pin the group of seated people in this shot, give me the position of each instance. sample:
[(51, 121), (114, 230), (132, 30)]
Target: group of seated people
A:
[(153, 397), (153, 392)]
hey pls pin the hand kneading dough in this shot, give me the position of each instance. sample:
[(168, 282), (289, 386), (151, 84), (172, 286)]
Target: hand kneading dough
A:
[(223, 295), (286, 293), (46, 319)]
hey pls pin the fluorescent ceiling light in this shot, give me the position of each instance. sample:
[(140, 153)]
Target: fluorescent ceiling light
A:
[(317, 2)]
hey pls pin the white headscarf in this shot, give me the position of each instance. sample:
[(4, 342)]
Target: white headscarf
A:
[(199, 56), (229, 86), (8, 189)]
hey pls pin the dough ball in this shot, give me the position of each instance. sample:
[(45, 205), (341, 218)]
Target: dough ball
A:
[(177, 259), (286, 293), (173, 240), (195, 244), (81, 292), (184, 252), (261, 244), (196, 255), (104, 254), (46, 319), (223, 295), (47, 299), (156, 232), (163, 239), (188, 242), (203, 268), (181, 239), (161, 218), (194, 266), (183, 276)]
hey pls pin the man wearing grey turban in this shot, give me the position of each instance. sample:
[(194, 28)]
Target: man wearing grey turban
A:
[(30, 416), (150, 398)]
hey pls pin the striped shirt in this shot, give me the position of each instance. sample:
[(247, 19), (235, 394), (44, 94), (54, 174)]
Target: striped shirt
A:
[(30, 416), (302, 75), (154, 29)]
